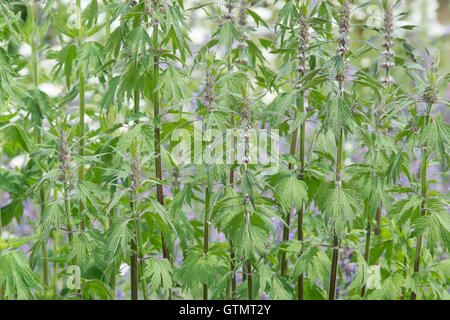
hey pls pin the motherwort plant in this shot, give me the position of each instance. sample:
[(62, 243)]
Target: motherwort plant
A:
[(99, 100)]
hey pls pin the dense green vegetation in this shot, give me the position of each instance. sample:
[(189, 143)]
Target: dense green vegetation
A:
[(100, 99)]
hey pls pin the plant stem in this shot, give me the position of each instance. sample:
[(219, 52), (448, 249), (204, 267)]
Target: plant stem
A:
[(55, 265), (134, 270), (301, 103), (37, 134), (378, 219), (206, 234), (335, 256), (367, 250), (233, 274), (287, 220), (81, 117), (81, 146), (232, 264), (423, 172), (140, 253), (158, 165), (68, 213), (249, 280)]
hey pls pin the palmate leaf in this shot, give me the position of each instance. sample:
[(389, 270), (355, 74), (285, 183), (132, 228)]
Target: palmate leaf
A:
[(89, 194), (435, 227), (250, 241), (178, 27), (395, 166), (437, 136), (118, 237), (406, 209), (199, 268), (51, 218), (66, 58), (181, 222), (96, 289), (292, 192), (303, 263), (341, 205), (11, 181), (16, 276), (159, 272), (337, 116), (173, 85), (11, 211), (7, 74), (137, 41), (112, 95), (90, 56), (390, 289), (280, 289), (361, 273), (227, 209), (276, 110), (81, 248), (226, 35), (38, 104)]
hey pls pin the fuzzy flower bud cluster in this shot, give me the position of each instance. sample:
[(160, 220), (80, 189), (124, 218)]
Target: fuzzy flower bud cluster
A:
[(430, 95), (150, 6), (246, 115), (210, 96), (242, 21), (302, 57), (134, 175), (242, 16), (388, 44), (344, 28), (64, 158), (342, 40), (229, 5)]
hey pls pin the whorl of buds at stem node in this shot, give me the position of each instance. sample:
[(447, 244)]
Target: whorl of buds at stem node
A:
[(430, 95), (243, 60), (388, 44), (344, 28), (135, 172), (340, 76), (246, 111), (229, 5), (64, 157), (210, 96), (241, 46), (344, 17), (242, 16), (302, 56)]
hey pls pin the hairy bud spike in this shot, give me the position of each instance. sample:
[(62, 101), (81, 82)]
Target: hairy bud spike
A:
[(135, 173), (242, 17), (388, 44), (210, 95), (64, 157), (303, 57)]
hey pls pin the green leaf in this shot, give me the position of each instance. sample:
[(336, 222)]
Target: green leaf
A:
[(118, 239), (199, 268), (337, 116), (341, 205), (16, 276), (173, 85), (292, 192), (250, 241), (437, 137), (159, 272)]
